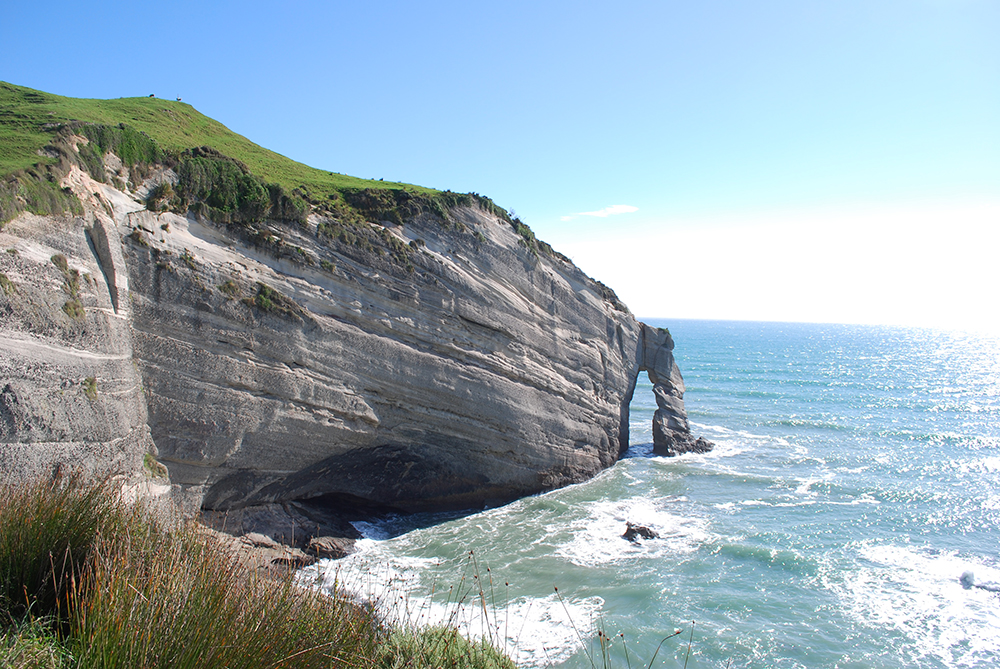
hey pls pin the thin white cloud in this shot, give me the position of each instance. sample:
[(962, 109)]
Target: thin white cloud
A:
[(604, 213)]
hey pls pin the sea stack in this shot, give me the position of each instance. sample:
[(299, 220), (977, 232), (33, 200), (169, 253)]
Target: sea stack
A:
[(671, 431)]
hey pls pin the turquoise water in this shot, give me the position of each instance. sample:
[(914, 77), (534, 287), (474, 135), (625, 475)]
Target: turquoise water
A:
[(854, 480)]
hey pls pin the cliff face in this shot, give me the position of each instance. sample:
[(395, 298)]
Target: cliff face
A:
[(464, 369), (70, 393)]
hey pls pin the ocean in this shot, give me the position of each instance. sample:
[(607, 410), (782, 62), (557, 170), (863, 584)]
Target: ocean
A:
[(855, 478)]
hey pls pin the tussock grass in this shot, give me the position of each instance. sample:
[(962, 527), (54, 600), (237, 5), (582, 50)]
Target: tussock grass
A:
[(167, 601), (47, 537), (88, 580)]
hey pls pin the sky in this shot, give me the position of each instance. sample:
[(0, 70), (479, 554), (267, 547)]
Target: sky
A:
[(787, 160)]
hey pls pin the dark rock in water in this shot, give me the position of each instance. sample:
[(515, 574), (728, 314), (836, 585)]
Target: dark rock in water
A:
[(670, 443), (330, 547), (294, 561), (634, 532)]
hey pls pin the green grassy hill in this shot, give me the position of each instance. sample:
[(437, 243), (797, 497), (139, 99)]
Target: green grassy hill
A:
[(29, 119), (221, 175)]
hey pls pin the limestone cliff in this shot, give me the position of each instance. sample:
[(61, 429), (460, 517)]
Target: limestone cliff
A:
[(461, 367)]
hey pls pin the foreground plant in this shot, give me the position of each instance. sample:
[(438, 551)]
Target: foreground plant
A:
[(87, 580), (47, 536), (177, 601)]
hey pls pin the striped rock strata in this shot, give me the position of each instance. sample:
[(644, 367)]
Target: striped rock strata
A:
[(477, 372)]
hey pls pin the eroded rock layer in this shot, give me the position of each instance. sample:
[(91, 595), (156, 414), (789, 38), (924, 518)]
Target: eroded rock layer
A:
[(467, 367)]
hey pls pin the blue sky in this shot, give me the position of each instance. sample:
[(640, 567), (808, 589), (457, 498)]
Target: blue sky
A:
[(780, 160)]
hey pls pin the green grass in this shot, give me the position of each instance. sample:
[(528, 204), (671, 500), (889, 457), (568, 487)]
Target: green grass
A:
[(152, 468), (90, 388), (440, 647), (223, 175), (28, 117), (32, 646), (88, 581)]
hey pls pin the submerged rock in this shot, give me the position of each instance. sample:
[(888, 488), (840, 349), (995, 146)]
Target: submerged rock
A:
[(968, 581)]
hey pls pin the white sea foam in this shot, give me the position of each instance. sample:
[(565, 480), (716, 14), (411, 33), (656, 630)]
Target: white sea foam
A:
[(728, 443), (534, 631), (917, 593), (721, 432), (597, 534), (988, 465), (370, 530)]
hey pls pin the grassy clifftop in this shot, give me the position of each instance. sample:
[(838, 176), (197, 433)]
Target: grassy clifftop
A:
[(222, 175), (29, 119)]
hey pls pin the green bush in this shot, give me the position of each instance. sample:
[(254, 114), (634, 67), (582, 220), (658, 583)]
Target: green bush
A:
[(269, 300), (90, 388), (153, 468), (7, 285), (92, 160), (233, 195), (230, 289), (71, 277), (285, 207), (36, 190), (132, 146), (74, 309), (159, 198)]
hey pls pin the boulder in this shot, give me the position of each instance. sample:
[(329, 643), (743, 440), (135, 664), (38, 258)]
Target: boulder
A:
[(635, 532), (330, 547)]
